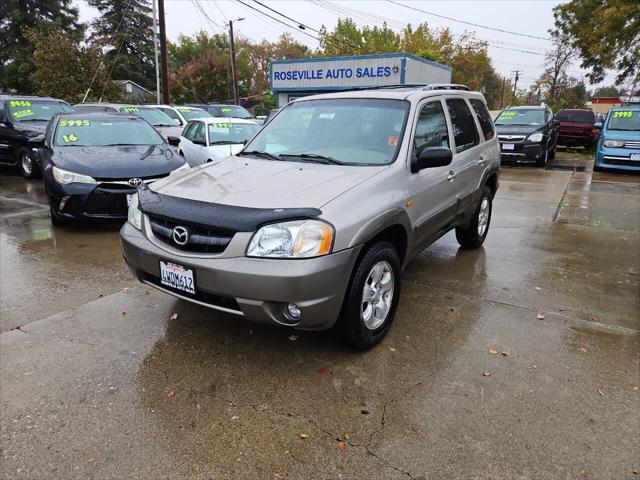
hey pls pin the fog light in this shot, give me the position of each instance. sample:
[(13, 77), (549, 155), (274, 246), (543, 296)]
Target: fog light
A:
[(63, 202), (292, 312)]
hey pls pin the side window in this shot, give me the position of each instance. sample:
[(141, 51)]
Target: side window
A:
[(49, 132), (188, 131), (1, 111), (431, 128), (172, 114), (484, 117), (198, 132), (464, 126)]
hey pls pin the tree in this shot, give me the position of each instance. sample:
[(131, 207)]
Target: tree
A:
[(16, 50), (610, 91), (557, 61), (125, 26), (606, 34), (64, 68)]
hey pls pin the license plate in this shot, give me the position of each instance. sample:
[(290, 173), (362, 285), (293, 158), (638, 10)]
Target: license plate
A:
[(635, 156), (177, 276), (508, 146), (129, 198)]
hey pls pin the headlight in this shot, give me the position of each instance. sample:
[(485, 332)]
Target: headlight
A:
[(181, 168), (535, 138), (613, 143), (135, 215), (64, 177), (297, 239)]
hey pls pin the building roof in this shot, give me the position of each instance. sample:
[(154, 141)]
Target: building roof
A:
[(122, 82), (606, 100)]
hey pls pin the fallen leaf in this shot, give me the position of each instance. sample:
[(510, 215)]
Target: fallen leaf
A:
[(600, 392), (346, 436), (594, 318), (540, 316), (534, 366), (171, 392), (91, 461), (341, 445), (278, 475), (486, 374), (124, 314), (235, 417), (322, 370), (174, 316), (505, 354), (304, 435), (493, 351), (293, 338), (582, 349), (538, 288), (635, 472), (392, 349), (125, 289), (364, 411)]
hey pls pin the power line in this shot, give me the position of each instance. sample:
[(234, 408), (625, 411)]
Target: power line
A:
[(470, 23)]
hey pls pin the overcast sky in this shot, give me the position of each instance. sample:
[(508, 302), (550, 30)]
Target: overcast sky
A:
[(526, 17)]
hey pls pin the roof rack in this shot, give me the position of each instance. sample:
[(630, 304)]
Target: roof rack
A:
[(422, 86), (446, 86)]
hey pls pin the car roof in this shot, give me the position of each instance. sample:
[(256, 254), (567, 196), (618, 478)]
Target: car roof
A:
[(408, 92), (107, 104), (98, 115), (576, 110), (527, 107), (209, 120), (627, 107), (7, 96)]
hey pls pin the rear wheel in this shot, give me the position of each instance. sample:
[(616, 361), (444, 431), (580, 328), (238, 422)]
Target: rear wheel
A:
[(372, 297), (27, 164), (475, 233)]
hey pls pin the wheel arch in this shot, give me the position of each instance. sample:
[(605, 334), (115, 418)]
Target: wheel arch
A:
[(393, 226)]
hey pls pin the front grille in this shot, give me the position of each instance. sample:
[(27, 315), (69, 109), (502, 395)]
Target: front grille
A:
[(108, 201), (628, 144), (513, 139), (209, 298), (124, 181), (201, 239)]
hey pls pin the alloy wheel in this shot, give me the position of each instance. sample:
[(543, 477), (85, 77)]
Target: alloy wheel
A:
[(377, 295)]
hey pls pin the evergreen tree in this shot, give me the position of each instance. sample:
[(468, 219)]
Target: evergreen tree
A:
[(16, 51), (127, 27)]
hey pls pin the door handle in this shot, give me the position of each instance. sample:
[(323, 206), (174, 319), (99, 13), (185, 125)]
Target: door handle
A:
[(452, 175), (481, 161)]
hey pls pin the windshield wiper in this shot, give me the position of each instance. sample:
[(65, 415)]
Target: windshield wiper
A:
[(257, 153), (314, 157), (225, 142)]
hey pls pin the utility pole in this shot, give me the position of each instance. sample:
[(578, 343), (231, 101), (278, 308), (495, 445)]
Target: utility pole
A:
[(234, 78), (515, 83), (163, 54), (504, 83), (155, 50)]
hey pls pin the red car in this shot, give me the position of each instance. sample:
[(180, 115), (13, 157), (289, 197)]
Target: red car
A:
[(576, 127)]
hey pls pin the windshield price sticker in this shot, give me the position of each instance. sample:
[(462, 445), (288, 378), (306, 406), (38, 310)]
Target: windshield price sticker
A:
[(184, 109), (22, 113), (70, 138), (221, 125), (75, 123), (20, 103), (131, 109), (623, 114), (508, 114), (225, 110)]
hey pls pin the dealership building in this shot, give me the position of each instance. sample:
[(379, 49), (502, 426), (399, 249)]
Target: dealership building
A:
[(290, 79)]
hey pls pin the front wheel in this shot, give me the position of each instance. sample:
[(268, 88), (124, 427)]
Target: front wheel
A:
[(474, 234), (27, 164), (372, 297)]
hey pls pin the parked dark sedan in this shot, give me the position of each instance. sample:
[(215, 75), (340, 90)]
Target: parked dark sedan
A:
[(93, 163), (577, 127)]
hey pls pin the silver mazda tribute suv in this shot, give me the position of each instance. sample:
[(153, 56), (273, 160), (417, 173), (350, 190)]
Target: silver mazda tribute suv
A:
[(311, 224)]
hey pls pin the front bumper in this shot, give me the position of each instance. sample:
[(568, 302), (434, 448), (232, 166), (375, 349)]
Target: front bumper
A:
[(617, 158), (255, 288), (86, 201), (577, 140), (522, 150)]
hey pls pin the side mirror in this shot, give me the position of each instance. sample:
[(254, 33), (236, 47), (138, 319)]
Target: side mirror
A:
[(556, 122), (37, 142), (173, 141), (598, 125), (432, 157)]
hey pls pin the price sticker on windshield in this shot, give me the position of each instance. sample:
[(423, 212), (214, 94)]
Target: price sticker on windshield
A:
[(225, 110), (22, 113), (75, 123), (221, 125), (20, 103), (184, 109), (508, 114), (623, 114), (131, 109), (70, 138)]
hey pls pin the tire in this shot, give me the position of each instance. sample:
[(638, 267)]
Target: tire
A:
[(542, 162), (354, 326), (473, 236), (552, 153), (27, 164)]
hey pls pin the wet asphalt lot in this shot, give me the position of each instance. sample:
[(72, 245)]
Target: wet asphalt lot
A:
[(100, 379)]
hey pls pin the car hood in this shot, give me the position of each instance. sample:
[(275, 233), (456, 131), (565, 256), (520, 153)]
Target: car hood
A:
[(517, 129), (118, 161), (248, 182), (169, 131), (621, 135)]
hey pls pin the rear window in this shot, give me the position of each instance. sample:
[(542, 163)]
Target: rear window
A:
[(576, 116), (464, 126), (94, 132)]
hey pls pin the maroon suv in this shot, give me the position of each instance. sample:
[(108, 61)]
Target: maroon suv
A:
[(576, 127)]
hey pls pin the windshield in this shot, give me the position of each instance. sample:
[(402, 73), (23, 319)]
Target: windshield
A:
[(155, 117), (235, 111), (628, 120), (521, 117), (576, 116), (36, 111), (94, 132), (221, 133), (189, 113), (351, 131)]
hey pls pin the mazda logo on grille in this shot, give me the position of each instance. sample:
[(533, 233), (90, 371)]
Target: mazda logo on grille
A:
[(180, 235), (135, 182)]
